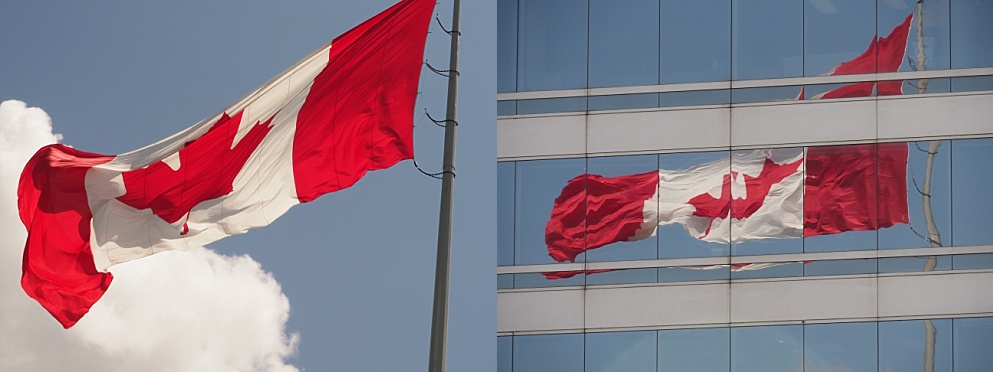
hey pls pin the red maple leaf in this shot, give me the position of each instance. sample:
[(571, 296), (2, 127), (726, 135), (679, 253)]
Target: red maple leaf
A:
[(756, 189), (208, 167)]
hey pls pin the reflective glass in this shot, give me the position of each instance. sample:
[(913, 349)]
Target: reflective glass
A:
[(614, 166), (766, 212), (695, 41), (840, 195), (837, 31), (624, 43), (972, 173), (621, 351), (839, 347), (505, 353), (698, 350), (973, 343), (539, 182), (914, 264), (548, 105), (839, 267), (765, 94), (926, 175), (972, 261), (689, 274), (903, 345), (624, 101), (551, 51), (920, 86), (766, 39), (844, 90), (506, 108), (675, 241), (548, 353), (695, 98), (972, 83), (934, 38), (506, 46), (767, 270), (549, 279), (505, 213), (971, 30), (505, 281), (622, 276), (767, 348)]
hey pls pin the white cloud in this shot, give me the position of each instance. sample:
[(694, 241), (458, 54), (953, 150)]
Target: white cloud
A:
[(175, 311)]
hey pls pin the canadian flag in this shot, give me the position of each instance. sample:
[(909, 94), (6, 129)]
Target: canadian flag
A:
[(750, 195), (316, 128)]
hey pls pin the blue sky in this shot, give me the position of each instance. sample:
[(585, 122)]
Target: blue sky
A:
[(357, 266)]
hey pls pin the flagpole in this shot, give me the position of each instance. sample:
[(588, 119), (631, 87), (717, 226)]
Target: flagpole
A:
[(439, 318)]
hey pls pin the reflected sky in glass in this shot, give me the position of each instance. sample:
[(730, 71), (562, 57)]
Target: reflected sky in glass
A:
[(766, 39), (505, 213), (548, 353), (624, 43), (505, 353), (698, 350), (552, 38), (538, 184), (849, 347), (695, 41), (836, 31), (935, 37), (767, 348), (972, 175), (913, 235), (506, 46), (621, 351), (971, 29), (973, 341), (902, 345)]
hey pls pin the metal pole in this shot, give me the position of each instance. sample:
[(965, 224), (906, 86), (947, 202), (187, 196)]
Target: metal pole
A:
[(439, 318)]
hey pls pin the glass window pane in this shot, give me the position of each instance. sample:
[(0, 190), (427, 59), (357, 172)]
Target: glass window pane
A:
[(548, 105), (843, 90), (698, 350), (539, 182), (926, 175), (695, 98), (690, 274), (841, 200), (918, 86), (934, 39), (621, 351), (548, 353), (549, 279), (972, 175), (624, 101), (506, 46), (972, 261), (624, 43), (903, 345), (767, 270), (765, 94), (505, 281), (695, 41), (839, 267), (552, 45), (972, 344), (840, 347), (506, 108), (972, 84), (505, 213), (505, 353), (769, 348), (767, 39), (914, 264), (614, 166), (971, 30), (622, 276), (766, 187), (681, 239), (837, 31)]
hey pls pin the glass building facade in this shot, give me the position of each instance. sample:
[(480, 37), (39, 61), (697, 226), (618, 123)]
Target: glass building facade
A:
[(835, 218)]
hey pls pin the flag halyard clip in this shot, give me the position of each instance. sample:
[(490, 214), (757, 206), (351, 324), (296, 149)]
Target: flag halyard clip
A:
[(447, 31), (444, 73), (440, 123)]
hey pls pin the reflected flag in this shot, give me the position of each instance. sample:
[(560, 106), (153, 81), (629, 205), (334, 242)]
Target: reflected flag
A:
[(316, 128), (751, 195)]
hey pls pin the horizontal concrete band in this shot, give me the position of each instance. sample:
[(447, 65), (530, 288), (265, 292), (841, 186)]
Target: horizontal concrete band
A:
[(746, 302)]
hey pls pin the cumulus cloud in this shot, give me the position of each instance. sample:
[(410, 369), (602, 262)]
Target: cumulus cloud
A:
[(174, 311)]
